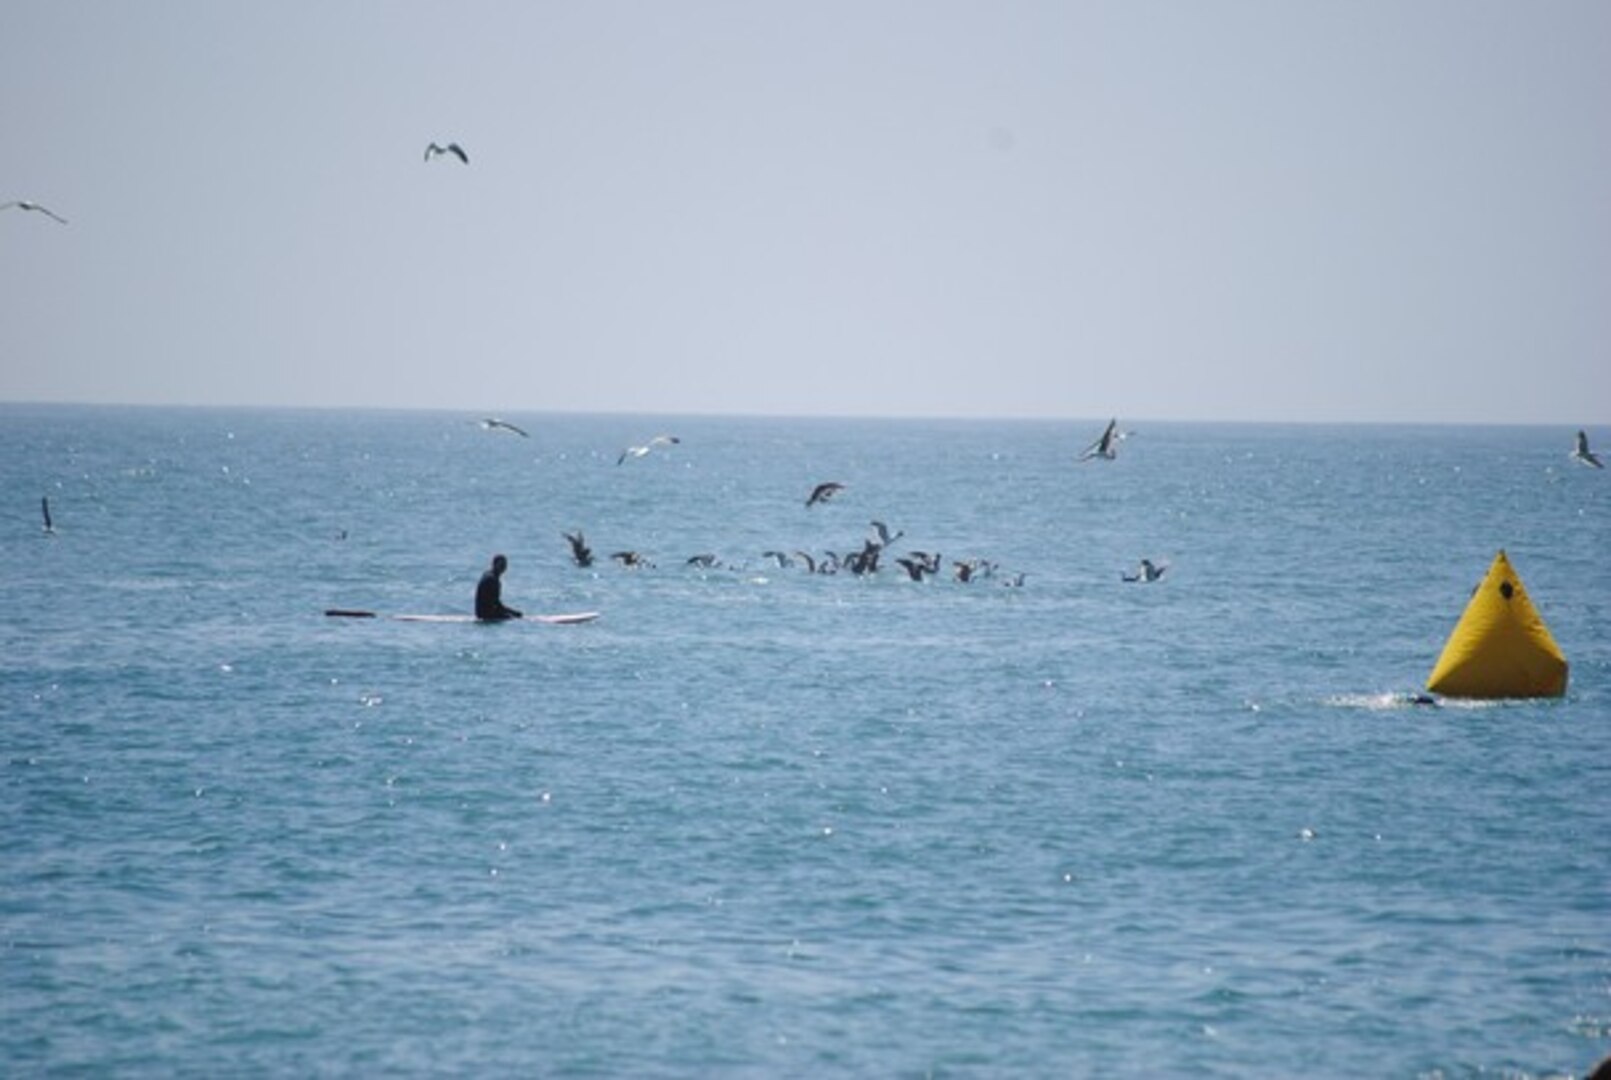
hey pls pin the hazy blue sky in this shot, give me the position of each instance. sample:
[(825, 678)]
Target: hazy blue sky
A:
[(1242, 210)]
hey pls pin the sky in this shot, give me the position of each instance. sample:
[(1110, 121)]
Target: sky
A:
[(1248, 210)]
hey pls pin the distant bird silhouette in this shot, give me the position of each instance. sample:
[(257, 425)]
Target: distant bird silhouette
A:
[(492, 423), (24, 204), (885, 537), (1106, 447), (919, 565), (580, 552), (1147, 571), (865, 561), (823, 492), (640, 451), (704, 560), (451, 148), (44, 508), (782, 558), (631, 559), (1582, 453)]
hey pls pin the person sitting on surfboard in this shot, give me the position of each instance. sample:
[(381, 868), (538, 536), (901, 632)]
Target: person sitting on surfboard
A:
[(489, 605)]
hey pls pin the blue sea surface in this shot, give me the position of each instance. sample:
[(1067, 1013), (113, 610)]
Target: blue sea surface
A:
[(756, 821)]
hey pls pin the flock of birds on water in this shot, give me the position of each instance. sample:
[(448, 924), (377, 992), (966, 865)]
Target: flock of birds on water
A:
[(868, 558), (918, 565), (860, 561)]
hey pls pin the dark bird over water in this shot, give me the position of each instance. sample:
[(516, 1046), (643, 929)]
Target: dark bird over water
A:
[(919, 564), (824, 492), (579, 549), (885, 537), (24, 204), (1582, 453), (631, 559), (44, 508), (492, 423), (1106, 447), (451, 148)]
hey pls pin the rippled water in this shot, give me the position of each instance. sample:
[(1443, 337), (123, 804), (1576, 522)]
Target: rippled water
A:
[(756, 821)]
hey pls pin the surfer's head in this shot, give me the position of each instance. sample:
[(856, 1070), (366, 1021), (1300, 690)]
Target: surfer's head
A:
[(499, 564)]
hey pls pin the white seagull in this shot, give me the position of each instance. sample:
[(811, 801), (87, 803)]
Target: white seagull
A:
[(1107, 447), (451, 148), (1582, 453), (492, 423), (640, 451), (24, 204)]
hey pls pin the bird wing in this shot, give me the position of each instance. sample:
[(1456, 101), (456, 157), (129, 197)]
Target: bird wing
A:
[(24, 204), (457, 150), (825, 491)]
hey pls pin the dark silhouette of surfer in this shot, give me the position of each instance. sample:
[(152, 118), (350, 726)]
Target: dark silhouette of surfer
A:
[(489, 605)]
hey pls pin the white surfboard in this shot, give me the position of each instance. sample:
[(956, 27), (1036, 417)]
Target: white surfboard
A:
[(564, 619)]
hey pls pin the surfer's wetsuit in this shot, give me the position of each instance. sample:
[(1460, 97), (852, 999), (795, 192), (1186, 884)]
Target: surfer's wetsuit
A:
[(489, 605)]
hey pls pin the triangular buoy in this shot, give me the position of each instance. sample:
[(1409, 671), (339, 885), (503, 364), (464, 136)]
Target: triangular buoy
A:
[(1500, 648)]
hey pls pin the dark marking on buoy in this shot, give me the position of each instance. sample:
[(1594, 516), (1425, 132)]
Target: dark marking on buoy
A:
[(1506, 589)]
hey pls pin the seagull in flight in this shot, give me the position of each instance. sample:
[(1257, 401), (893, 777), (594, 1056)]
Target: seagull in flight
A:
[(1582, 453), (24, 204), (885, 537), (1107, 447), (451, 148), (824, 492), (492, 423), (640, 451)]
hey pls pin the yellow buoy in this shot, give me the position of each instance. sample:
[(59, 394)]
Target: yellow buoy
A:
[(1500, 648)]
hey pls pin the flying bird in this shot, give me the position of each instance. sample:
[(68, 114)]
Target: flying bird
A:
[(1106, 447), (492, 423), (24, 204), (885, 537), (1582, 453), (44, 507), (451, 148), (640, 451), (579, 549), (824, 492)]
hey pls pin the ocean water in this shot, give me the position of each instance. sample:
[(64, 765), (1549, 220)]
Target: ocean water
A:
[(761, 822)]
